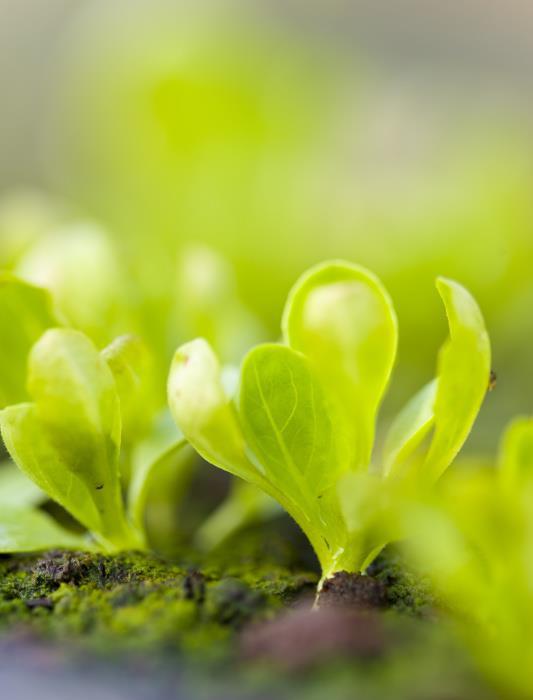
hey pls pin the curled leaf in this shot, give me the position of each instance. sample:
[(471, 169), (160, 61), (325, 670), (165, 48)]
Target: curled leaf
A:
[(341, 317), (448, 405), (463, 374)]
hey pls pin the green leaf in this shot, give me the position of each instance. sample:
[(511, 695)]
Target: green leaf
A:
[(76, 400), (516, 452), (207, 304), (16, 490), (207, 418), (448, 405), (286, 422), (341, 317), (178, 459), (202, 410), (409, 428), (463, 376), (31, 531), (290, 436), (162, 451), (25, 313), (32, 449)]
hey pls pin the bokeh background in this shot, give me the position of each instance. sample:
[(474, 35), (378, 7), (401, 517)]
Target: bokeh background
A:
[(164, 156)]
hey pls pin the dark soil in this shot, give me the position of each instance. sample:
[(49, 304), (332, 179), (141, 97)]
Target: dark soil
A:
[(353, 591)]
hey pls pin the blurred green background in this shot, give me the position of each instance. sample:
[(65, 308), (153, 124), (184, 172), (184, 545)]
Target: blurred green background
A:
[(275, 134)]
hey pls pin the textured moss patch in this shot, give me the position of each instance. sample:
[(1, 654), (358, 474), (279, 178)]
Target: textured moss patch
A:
[(191, 621), (407, 591), (193, 604), (137, 600)]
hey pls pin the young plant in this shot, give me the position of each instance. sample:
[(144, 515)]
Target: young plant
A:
[(82, 406), (155, 473), (302, 425)]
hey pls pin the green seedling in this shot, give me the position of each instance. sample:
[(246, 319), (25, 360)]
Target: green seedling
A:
[(80, 409), (208, 303), (302, 424)]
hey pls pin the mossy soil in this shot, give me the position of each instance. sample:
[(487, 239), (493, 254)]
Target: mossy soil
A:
[(236, 623)]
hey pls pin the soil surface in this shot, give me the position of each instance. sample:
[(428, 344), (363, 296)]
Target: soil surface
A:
[(237, 624)]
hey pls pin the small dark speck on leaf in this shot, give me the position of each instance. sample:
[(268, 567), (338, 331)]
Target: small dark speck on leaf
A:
[(99, 487)]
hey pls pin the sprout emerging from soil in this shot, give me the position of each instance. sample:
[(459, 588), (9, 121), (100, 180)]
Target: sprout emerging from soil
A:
[(302, 425)]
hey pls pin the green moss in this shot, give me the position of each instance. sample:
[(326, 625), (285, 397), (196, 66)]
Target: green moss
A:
[(193, 605), (138, 601), (407, 591), (184, 618)]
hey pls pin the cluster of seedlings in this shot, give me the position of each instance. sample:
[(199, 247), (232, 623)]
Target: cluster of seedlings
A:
[(86, 428)]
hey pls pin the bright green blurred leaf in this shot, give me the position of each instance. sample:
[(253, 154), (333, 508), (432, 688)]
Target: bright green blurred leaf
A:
[(80, 267), (25, 313), (516, 453), (16, 489), (33, 531), (208, 304)]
